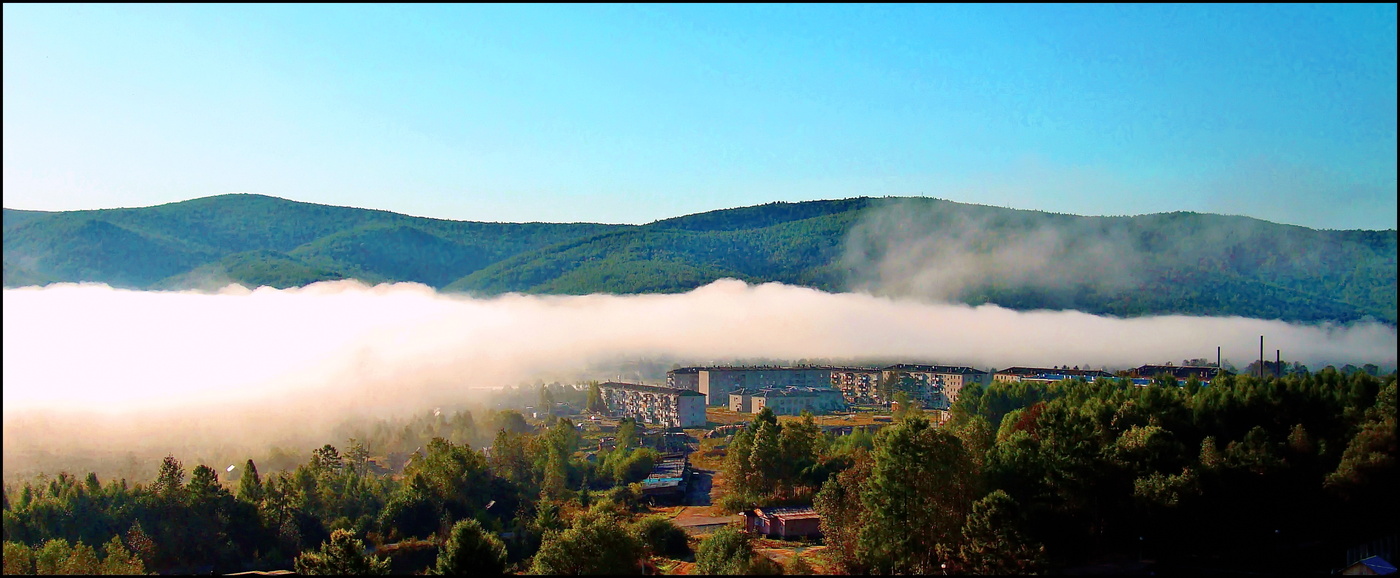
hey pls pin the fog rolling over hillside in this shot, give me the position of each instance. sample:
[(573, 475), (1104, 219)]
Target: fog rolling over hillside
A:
[(1179, 262), (150, 371), (336, 332), (927, 249)]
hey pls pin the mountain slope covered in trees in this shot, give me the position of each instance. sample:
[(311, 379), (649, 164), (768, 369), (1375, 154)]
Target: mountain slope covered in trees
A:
[(256, 239), (1184, 263)]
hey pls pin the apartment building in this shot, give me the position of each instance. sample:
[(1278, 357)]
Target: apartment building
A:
[(857, 384), (792, 400), (717, 382), (654, 405), (684, 378), (937, 386)]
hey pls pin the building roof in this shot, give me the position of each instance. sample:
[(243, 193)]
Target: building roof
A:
[(1178, 371), (1378, 565), (650, 388), (751, 368), (788, 512), (933, 368), (1055, 371)]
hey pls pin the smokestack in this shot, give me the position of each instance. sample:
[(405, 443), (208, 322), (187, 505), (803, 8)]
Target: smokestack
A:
[(1278, 363), (1261, 357), (1217, 358)]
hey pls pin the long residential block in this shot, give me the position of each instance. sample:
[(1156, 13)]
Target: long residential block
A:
[(717, 382), (653, 405)]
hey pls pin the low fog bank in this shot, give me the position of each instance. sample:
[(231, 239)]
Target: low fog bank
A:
[(923, 249), (94, 369)]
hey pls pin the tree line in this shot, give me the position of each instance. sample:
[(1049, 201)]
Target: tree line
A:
[(1243, 474)]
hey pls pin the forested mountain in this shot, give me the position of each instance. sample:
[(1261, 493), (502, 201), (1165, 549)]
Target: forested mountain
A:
[(1165, 263), (255, 239)]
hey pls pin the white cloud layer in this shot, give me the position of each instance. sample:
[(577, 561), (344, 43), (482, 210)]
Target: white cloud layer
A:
[(96, 348), (95, 371)]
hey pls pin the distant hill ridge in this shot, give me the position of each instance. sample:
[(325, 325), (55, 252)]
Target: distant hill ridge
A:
[(1186, 263)]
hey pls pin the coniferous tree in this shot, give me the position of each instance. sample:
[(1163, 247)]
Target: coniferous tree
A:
[(357, 456), (118, 560), (19, 558), (992, 542), (141, 544), (204, 483), (171, 478), (326, 460), (250, 485)]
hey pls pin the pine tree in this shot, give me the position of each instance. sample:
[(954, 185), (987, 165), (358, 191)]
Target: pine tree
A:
[(250, 485), (119, 561), (357, 456), (204, 483), (171, 478), (141, 544), (992, 542), (19, 559), (326, 459)]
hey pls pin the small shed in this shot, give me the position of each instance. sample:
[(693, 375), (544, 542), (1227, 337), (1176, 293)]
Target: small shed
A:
[(784, 522)]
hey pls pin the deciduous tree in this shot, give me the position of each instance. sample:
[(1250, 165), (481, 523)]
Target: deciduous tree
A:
[(470, 550), (921, 478), (342, 555), (595, 544)]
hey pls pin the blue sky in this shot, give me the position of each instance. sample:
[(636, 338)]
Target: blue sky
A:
[(635, 113)]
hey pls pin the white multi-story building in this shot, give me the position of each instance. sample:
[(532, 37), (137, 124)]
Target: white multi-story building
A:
[(857, 384), (787, 400), (936, 386), (684, 378), (658, 406), (792, 400), (717, 382)]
